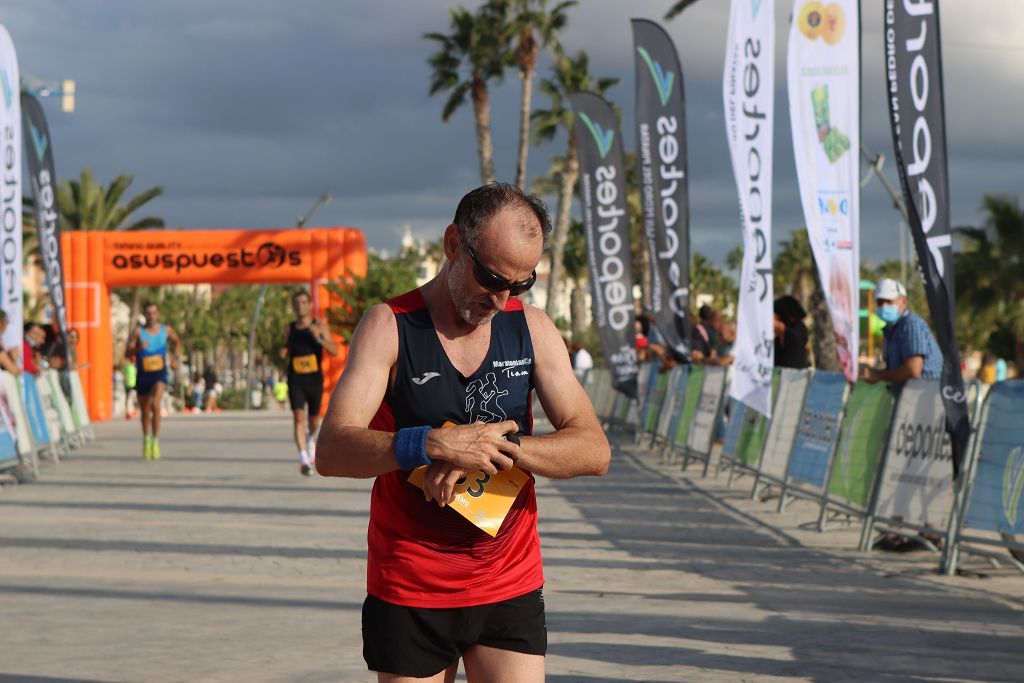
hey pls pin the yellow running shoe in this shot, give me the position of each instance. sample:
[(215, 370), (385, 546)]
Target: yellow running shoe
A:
[(155, 448), (147, 447)]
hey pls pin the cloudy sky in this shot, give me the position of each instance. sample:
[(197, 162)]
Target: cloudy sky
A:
[(244, 112)]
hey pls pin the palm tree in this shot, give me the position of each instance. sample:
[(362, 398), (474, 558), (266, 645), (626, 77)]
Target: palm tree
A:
[(988, 269), (86, 205), (467, 60), (537, 28), (677, 9), (569, 75), (576, 269)]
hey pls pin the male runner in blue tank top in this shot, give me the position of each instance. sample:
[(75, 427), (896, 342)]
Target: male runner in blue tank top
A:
[(149, 347), (462, 350)]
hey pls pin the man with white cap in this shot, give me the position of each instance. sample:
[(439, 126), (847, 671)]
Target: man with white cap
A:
[(910, 347)]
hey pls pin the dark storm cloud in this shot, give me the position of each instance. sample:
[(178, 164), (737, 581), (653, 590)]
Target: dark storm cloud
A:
[(245, 112)]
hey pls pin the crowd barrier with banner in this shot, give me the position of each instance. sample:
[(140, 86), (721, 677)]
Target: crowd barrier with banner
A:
[(673, 414), (752, 436), (734, 412), (701, 438), (657, 388), (680, 435), (671, 407), (994, 492), (914, 491), (816, 438), (771, 467), (858, 451)]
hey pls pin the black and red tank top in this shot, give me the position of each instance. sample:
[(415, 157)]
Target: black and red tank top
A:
[(421, 555)]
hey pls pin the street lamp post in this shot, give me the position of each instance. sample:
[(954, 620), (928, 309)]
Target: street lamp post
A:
[(323, 199)]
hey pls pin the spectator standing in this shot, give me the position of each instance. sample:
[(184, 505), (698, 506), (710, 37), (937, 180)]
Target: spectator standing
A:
[(910, 347)]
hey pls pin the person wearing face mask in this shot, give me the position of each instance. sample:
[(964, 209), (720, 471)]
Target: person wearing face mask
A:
[(910, 348)]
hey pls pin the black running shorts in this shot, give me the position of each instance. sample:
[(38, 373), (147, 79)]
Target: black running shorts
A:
[(306, 391), (420, 642)]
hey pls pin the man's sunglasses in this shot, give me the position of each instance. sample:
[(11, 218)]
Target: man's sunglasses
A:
[(494, 282)]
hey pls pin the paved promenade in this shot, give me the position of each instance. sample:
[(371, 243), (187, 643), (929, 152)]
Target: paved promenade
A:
[(221, 563)]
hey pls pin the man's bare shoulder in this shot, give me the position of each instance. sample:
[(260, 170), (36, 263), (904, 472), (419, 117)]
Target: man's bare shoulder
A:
[(377, 325), (539, 321)]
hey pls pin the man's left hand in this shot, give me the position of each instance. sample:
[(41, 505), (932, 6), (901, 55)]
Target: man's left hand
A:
[(439, 481)]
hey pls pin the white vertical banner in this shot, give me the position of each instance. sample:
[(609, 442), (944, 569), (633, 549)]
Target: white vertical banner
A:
[(823, 69), (10, 191), (748, 92)]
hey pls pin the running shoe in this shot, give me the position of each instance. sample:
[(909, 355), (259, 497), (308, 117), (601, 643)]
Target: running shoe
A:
[(147, 448), (156, 449), (304, 469)]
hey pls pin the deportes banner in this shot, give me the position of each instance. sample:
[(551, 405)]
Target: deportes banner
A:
[(606, 224), (748, 92), (661, 157), (915, 483), (823, 68), (913, 73), (10, 191), (43, 179)]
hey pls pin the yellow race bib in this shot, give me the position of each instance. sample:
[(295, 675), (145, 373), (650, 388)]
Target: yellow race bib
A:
[(483, 499), (152, 363), (304, 365)]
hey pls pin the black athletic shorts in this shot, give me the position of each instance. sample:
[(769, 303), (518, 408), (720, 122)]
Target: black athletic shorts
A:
[(306, 391), (420, 642)]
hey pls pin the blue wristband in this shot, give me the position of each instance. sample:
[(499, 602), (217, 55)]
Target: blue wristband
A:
[(411, 447)]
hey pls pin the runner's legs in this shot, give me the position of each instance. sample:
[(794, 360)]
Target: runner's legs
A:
[(446, 676), (155, 401), (502, 666)]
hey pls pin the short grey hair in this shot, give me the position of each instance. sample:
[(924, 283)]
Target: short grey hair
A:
[(478, 206)]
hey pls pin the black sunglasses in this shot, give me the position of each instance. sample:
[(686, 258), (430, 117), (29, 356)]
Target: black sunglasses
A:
[(494, 282)]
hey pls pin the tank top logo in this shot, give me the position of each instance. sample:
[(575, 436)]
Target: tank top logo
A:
[(514, 368), (482, 400)]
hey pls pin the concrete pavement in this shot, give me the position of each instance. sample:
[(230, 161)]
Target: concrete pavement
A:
[(221, 563)]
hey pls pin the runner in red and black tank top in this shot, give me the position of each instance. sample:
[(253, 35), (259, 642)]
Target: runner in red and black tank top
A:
[(421, 555)]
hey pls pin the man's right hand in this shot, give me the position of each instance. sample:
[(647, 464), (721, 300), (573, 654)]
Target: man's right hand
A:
[(476, 446)]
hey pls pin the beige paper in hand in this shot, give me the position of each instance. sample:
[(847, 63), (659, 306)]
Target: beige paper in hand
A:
[(483, 499)]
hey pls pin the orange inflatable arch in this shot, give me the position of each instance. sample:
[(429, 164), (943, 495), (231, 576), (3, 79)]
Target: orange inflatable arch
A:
[(96, 261)]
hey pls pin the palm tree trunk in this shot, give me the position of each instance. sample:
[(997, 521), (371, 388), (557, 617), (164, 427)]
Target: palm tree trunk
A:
[(482, 114), (579, 310), (524, 127), (570, 174), (824, 344)]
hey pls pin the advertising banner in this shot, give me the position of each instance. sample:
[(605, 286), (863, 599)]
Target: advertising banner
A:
[(782, 432), (915, 484), (673, 399), (691, 401), (655, 400), (755, 426), (34, 409), (913, 73), (818, 431), (606, 225), (861, 438), (709, 403), (664, 195), (748, 91), (10, 192), (733, 428), (996, 501), (43, 178), (823, 70)]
